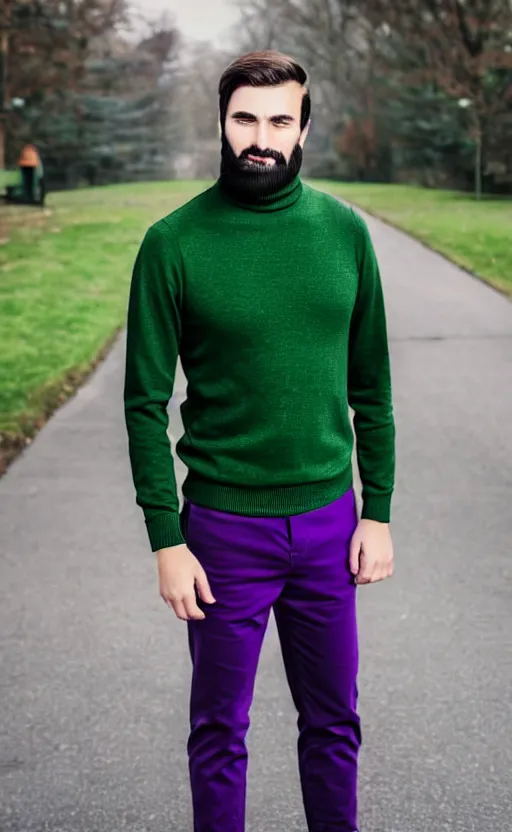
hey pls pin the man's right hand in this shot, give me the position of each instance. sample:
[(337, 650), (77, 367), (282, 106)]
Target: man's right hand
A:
[(181, 575)]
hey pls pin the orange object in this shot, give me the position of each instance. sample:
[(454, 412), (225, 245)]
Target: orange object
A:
[(29, 157)]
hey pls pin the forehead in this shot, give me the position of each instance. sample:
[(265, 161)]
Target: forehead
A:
[(265, 102)]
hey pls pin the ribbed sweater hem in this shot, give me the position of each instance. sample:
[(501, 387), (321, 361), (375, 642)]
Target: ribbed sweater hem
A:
[(269, 501), (265, 501)]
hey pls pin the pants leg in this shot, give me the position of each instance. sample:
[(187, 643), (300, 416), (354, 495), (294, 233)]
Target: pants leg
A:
[(316, 618), (247, 562), (28, 178)]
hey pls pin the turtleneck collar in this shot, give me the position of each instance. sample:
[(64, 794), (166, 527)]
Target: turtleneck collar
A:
[(278, 201)]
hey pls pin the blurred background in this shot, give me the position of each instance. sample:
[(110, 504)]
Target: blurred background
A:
[(119, 90), (108, 122)]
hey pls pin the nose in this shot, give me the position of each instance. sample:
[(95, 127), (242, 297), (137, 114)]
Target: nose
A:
[(262, 136)]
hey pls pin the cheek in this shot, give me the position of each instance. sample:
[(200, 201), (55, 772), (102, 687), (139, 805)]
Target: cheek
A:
[(237, 138), (286, 144)]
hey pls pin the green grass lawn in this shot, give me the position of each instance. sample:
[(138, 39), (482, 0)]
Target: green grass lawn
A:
[(8, 177), (475, 235), (65, 274), (64, 281)]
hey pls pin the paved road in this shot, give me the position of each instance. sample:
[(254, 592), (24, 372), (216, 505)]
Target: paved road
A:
[(95, 672)]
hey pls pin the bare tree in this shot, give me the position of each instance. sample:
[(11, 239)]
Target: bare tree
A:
[(464, 47), (260, 26), (197, 109), (43, 47), (334, 42)]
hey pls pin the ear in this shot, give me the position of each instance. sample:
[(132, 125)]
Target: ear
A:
[(303, 136)]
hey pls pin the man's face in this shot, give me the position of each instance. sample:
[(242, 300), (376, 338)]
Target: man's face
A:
[(265, 120)]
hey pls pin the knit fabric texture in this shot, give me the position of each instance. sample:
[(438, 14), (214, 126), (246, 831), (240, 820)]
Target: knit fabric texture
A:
[(276, 311)]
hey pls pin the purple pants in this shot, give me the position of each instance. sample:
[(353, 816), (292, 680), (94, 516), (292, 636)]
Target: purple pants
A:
[(298, 566)]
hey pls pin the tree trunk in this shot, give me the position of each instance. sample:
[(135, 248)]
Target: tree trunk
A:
[(2, 143), (4, 43), (478, 164)]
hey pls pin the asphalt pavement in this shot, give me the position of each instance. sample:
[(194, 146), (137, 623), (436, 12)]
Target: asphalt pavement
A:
[(94, 669)]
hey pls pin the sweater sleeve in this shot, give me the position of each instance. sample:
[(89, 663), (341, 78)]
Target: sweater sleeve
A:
[(152, 347), (369, 383)]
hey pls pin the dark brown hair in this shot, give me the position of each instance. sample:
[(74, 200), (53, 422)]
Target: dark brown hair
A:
[(262, 69)]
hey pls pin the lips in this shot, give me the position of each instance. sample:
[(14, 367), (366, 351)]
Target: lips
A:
[(261, 160)]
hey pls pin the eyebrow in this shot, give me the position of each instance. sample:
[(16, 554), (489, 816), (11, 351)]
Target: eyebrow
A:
[(282, 117)]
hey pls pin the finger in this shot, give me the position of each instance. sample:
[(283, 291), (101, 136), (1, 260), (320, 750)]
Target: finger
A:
[(365, 569), (379, 573), (355, 549), (191, 608), (179, 609), (203, 588), (384, 570), (375, 571)]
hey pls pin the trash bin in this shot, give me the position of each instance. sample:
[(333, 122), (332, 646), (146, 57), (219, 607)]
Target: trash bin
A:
[(32, 175)]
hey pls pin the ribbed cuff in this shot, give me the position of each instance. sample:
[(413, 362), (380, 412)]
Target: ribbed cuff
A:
[(377, 507), (164, 530)]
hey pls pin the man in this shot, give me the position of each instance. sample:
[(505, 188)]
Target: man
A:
[(270, 293)]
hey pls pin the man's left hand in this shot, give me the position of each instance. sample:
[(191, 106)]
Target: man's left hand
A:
[(371, 552)]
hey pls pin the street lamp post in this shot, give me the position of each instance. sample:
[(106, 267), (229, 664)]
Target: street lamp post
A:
[(467, 104), (4, 47)]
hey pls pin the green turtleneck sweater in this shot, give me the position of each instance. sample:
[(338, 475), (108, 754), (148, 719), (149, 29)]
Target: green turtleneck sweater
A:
[(276, 311)]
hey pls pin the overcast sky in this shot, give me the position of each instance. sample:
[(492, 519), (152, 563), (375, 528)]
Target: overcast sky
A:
[(199, 19)]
